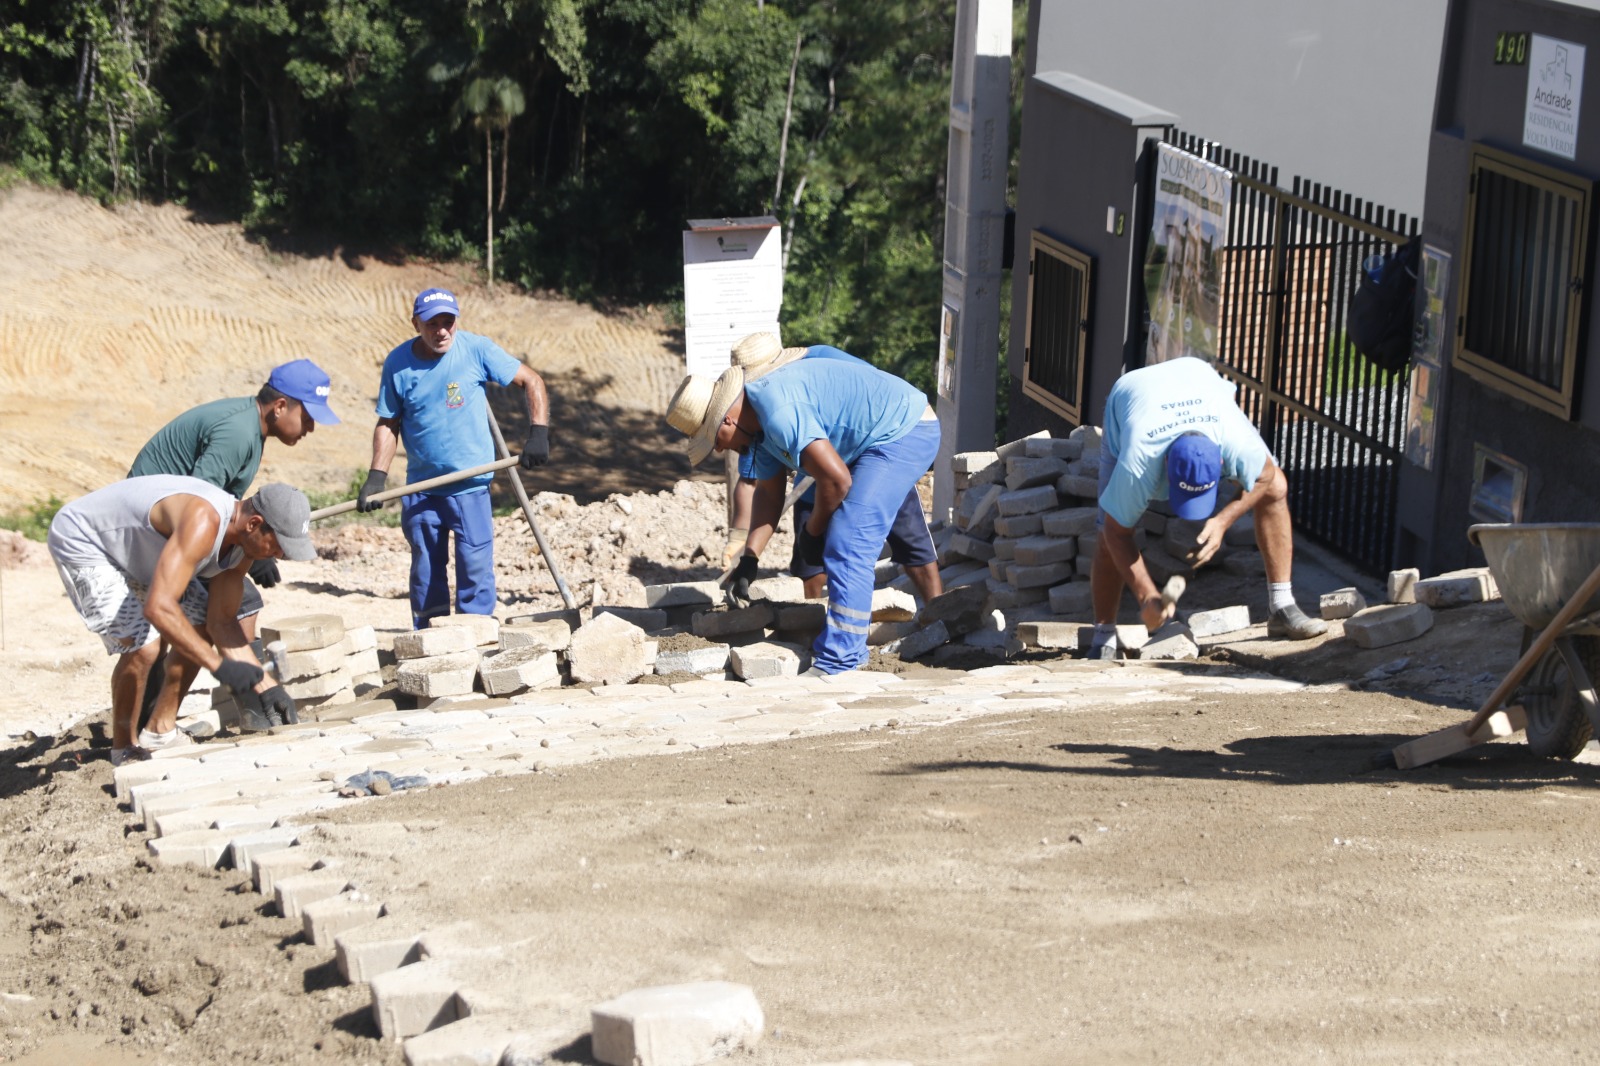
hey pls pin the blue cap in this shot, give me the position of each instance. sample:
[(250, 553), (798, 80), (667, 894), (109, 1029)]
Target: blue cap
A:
[(305, 381), (1194, 466), (432, 302)]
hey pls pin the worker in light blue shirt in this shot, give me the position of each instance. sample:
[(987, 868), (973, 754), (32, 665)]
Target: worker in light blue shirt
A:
[(1172, 432), (867, 437), (431, 395)]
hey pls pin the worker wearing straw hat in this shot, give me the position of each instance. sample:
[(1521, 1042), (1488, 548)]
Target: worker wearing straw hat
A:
[(864, 435), (910, 541)]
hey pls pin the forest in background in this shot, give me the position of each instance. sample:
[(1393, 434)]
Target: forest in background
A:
[(584, 131)]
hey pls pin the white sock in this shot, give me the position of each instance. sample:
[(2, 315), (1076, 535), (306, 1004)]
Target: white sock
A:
[(1105, 635), (1280, 594)]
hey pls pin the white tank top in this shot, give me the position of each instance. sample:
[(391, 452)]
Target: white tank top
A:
[(112, 525)]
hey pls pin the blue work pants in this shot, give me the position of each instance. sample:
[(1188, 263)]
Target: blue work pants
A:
[(428, 522)]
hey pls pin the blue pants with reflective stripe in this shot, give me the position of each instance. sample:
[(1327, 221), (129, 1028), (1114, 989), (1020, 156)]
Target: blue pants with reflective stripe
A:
[(428, 522), (880, 479)]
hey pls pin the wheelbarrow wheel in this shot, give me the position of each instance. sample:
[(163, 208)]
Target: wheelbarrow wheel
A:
[(1558, 726)]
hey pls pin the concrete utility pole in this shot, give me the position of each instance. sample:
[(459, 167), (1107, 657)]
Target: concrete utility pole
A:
[(974, 236)]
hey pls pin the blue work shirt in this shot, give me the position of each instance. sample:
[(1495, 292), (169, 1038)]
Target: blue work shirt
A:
[(847, 402), (1153, 406), (443, 412), (816, 351)]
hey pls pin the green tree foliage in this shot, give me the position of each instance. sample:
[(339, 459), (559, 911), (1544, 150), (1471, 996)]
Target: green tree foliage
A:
[(593, 128)]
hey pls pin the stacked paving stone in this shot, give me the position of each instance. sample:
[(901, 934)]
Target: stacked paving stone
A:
[(1412, 601), (319, 661), (450, 989)]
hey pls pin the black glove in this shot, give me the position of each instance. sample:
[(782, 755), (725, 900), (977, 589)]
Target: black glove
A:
[(739, 584), (373, 485), (809, 547), (536, 449), (239, 676), (264, 572), (279, 706)]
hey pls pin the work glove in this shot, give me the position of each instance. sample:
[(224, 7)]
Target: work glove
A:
[(809, 546), (376, 479), (264, 572), (536, 449), (739, 583), (279, 707), (735, 545), (241, 677)]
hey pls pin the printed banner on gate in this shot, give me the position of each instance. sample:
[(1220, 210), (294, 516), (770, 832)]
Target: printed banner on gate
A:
[(1183, 269)]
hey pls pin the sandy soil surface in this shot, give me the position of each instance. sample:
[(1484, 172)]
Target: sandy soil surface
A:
[(1193, 877)]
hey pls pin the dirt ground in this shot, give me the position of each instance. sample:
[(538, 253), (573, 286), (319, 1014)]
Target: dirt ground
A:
[(1196, 878)]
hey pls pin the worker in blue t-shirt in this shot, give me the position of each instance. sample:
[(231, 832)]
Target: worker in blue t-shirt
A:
[(431, 396), (1173, 431), (865, 436), (910, 541)]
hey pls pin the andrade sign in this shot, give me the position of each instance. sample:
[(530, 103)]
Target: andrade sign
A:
[(1182, 270), (1555, 88)]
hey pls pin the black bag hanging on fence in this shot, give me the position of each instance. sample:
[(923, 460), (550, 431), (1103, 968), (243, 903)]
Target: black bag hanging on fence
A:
[(1384, 307)]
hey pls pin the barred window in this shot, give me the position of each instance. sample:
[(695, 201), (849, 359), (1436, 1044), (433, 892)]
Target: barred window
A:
[(1523, 279), (1056, 346)]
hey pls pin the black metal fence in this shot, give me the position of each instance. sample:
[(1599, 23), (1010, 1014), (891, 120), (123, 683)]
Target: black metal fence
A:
[(1335, 422)]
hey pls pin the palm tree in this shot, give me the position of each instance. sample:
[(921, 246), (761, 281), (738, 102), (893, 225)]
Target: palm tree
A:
[(493, 102)]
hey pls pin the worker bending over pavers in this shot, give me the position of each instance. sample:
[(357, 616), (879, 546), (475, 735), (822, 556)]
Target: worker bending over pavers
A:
[(1173, 431), (131, 556), (910, 540), (864, 435), (221, 442), (431, 395)]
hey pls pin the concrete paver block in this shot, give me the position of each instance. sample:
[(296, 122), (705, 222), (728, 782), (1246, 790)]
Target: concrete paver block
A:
[(1401, 585), (683, 594), (244, 848), (436, 640), (783, 589), (291, 894), (1342, 603), (764, 659), (713, 625), (359, 639), (468, 1042), (1042, 550), (320, 686), (801, 617), (1077, 486), (520, 668), (554, 634), (313, 661), (364, 951), (1019, 525), (1051, 635), (1039, 577), (1004, 596), (198, 847), (1005, 549), (676, 1025), (1215, 623), (1378, 627), (649, 619), (1052, 447), (439, 675), (137, 773), (485, 628), (924, 640), (1027, 501), (882, 633), (608, 650), (268, 868), (892, 605), (1070, 522), (1131, 637), (324, 919), (961, 609), (973, 462), (1023, 472), (1172, 641), (710, 659), (971, 547), (304, 632), (1019, 446), (362, 664), (1457, 588), (414, 999)]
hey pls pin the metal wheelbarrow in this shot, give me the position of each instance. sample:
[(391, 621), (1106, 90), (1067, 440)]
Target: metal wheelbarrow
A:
[(1549, 577)]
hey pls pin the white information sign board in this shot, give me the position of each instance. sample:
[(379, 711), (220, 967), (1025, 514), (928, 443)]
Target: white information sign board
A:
[(732, 287), (1555, 88)]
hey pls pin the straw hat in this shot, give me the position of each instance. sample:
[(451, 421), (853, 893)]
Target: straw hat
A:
[(762, 353), (699, 406)]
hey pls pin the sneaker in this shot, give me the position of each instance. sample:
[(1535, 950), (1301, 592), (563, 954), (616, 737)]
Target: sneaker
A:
[(1292, 623), (1105, 651), (154, 742), (815, 671), (120, 756)]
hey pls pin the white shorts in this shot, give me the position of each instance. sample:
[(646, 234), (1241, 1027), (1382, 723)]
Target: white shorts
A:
[(111, 604)]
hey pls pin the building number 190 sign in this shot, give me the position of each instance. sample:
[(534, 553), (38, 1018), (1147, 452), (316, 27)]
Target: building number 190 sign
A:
[(1511, 49)]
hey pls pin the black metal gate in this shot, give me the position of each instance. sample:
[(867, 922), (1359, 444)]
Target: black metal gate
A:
[(1335, 422)]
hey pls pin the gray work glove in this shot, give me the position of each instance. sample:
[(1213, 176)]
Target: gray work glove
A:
[(739, 583), (241, 677), (536, 449), (278, 706), (376, 479), (264, 572)]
